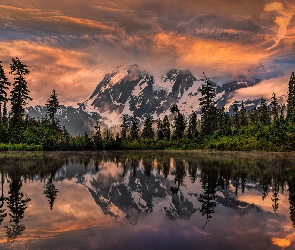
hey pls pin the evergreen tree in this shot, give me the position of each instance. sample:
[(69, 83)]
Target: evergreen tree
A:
[(208, 107), (236, 115), (20, 93), (3, 87), (224, 123), (97, 138), (243, 116), (160, 133), (192, 126), (254, 117), (52, 106), (291, 99), (148, 131), (179, 123), (134, 128), (264, 117), (166, 128), (125, 125), (274, 108)]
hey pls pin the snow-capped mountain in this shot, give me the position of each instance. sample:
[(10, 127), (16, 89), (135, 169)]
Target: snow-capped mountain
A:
[(131, 90)]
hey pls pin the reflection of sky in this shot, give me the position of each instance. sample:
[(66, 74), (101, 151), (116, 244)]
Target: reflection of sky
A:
[(69, 46), (76, 222)]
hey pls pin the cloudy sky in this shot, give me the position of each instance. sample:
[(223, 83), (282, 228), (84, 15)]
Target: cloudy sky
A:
[(70, 44)]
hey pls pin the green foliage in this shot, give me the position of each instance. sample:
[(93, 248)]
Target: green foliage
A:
[(148, 131), (52, 106), (208, 108), (291, 99), (20, 92)]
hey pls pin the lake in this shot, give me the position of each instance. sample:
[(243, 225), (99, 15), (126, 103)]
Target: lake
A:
[(147, 200)]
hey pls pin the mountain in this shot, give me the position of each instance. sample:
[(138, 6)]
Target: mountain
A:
[(131, 90)]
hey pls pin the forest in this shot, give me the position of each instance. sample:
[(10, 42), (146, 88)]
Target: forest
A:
[(269, 127)]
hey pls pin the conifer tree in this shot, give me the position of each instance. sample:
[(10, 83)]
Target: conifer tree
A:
[(236, 115), (134, 128), (179, 123), (166, 128), (125, 125), (97, 138), (274, 108), (52, 106), (208, 107), (20, 92), (192, 126), (148, 131), (291, 99), (3, 87), (160, 133), (264, 117), (243, 116)]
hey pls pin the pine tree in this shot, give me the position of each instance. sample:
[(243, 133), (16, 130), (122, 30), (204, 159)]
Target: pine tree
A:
[(125, 125), (166, 128), (275, 108), (3, 87), (192, 126), (160, 134), (148, 131), (236, 115), (179, 123), (134, 128), (243, 117), (291, 99), (264, 117), (20, 93), (52, 106), (208, 107), (97, 138)]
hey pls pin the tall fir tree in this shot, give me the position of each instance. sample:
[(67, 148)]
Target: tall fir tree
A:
[(291, 99), (148, 131), (4, 85), (160, 134), (274, 108), (166, 128), (97, 138), (125, 125), (192, 132), (52, 107), (208, 107), (236, 115), (179, 123), (264, 117), (134, 128), (20, 92), (243, 115)]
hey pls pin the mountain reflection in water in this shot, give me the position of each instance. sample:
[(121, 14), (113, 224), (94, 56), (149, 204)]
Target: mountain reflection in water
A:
[(139, 200)]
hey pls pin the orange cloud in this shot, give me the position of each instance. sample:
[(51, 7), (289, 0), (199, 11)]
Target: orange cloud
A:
[(214, 55), (282, 21), (283, 243)]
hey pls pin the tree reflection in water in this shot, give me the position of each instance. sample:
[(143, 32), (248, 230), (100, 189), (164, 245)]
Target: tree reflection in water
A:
[(146, 178), (17, 204)]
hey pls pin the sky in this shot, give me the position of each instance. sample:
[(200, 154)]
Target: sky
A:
[(69, 45)]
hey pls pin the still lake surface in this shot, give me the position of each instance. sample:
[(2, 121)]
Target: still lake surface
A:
[(147, 200)]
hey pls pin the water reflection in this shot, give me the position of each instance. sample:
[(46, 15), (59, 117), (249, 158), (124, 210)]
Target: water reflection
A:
[(129, 186)]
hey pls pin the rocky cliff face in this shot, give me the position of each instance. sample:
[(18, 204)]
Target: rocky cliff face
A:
[(130, 90)]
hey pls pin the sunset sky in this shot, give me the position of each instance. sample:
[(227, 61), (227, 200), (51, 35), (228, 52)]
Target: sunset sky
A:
[(69, 45)]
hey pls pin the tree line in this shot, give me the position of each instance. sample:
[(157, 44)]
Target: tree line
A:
[(266, 127)]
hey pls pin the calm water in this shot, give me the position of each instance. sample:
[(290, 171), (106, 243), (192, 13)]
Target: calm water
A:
[(147, 200)]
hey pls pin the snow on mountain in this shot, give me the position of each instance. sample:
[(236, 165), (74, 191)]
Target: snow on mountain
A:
[(131, 90)]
